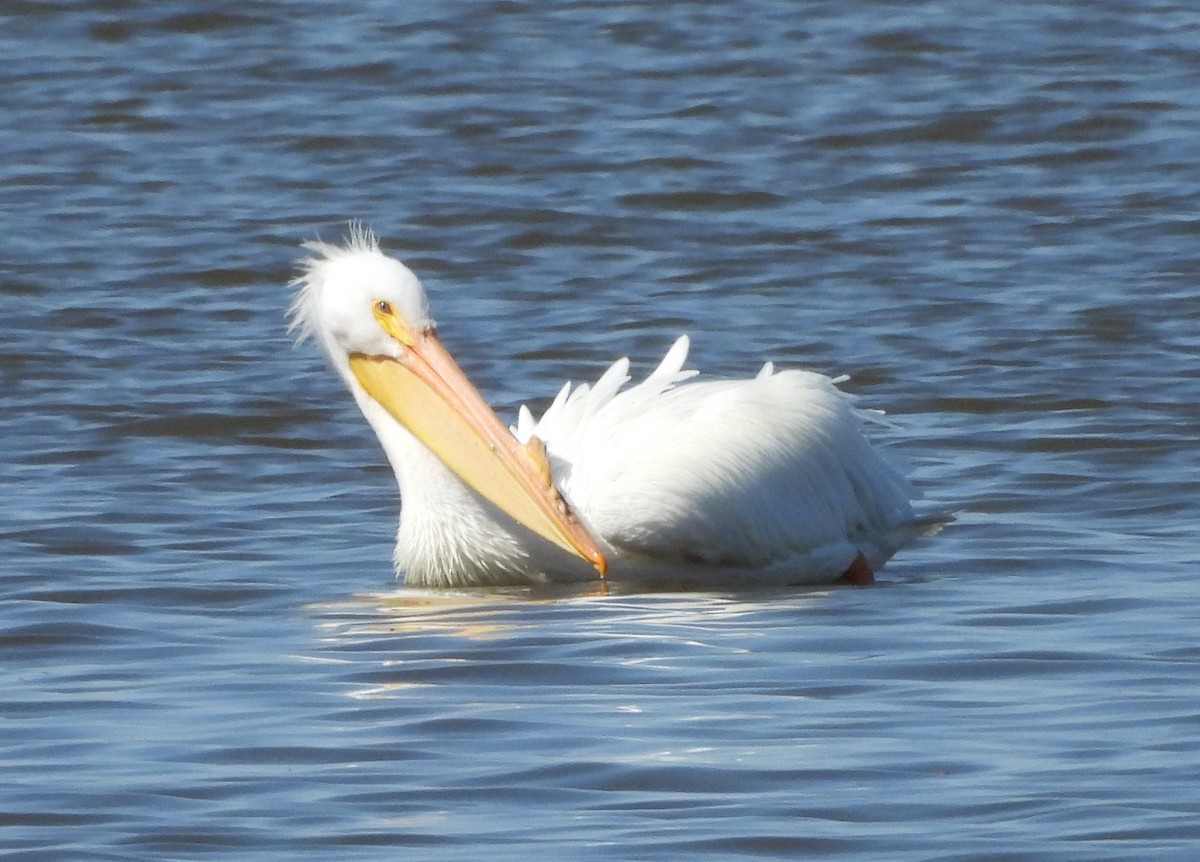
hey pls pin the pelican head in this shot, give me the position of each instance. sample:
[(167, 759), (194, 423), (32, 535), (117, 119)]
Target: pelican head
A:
[(370, 314), (358, 301)]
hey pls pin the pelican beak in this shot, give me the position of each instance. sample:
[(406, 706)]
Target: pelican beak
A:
[(425, 391)]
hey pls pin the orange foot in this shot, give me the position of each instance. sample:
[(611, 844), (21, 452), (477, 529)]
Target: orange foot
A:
[(860, 573)]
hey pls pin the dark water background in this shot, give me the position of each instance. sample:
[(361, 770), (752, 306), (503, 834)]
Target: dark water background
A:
[(988, 214)]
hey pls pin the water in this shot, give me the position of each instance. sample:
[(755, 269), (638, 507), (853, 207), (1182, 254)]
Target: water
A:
[(986, 214)]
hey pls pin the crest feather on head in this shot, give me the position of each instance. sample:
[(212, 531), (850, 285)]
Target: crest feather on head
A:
[(360, 239)]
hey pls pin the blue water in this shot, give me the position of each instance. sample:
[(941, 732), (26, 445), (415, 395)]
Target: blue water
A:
[(985, 214)]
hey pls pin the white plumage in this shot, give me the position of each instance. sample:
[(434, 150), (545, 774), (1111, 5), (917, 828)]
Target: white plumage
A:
[(755, 482), (758, 481)]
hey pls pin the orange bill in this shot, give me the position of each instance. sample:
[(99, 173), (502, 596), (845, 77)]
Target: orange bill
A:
[(427, 393)]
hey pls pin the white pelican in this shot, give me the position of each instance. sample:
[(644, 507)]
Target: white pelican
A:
[(729, 483)]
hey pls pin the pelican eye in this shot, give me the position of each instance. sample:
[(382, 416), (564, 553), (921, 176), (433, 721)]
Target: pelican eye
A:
[(383, 307)]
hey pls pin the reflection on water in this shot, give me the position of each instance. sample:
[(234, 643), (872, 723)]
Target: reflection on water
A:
[(462, 615), (498, 613)]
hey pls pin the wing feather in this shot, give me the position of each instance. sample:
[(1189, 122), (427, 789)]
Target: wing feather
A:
[(729, 473)]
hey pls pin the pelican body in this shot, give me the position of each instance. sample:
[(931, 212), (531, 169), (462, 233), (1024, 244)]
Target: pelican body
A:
[(670, 482)]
